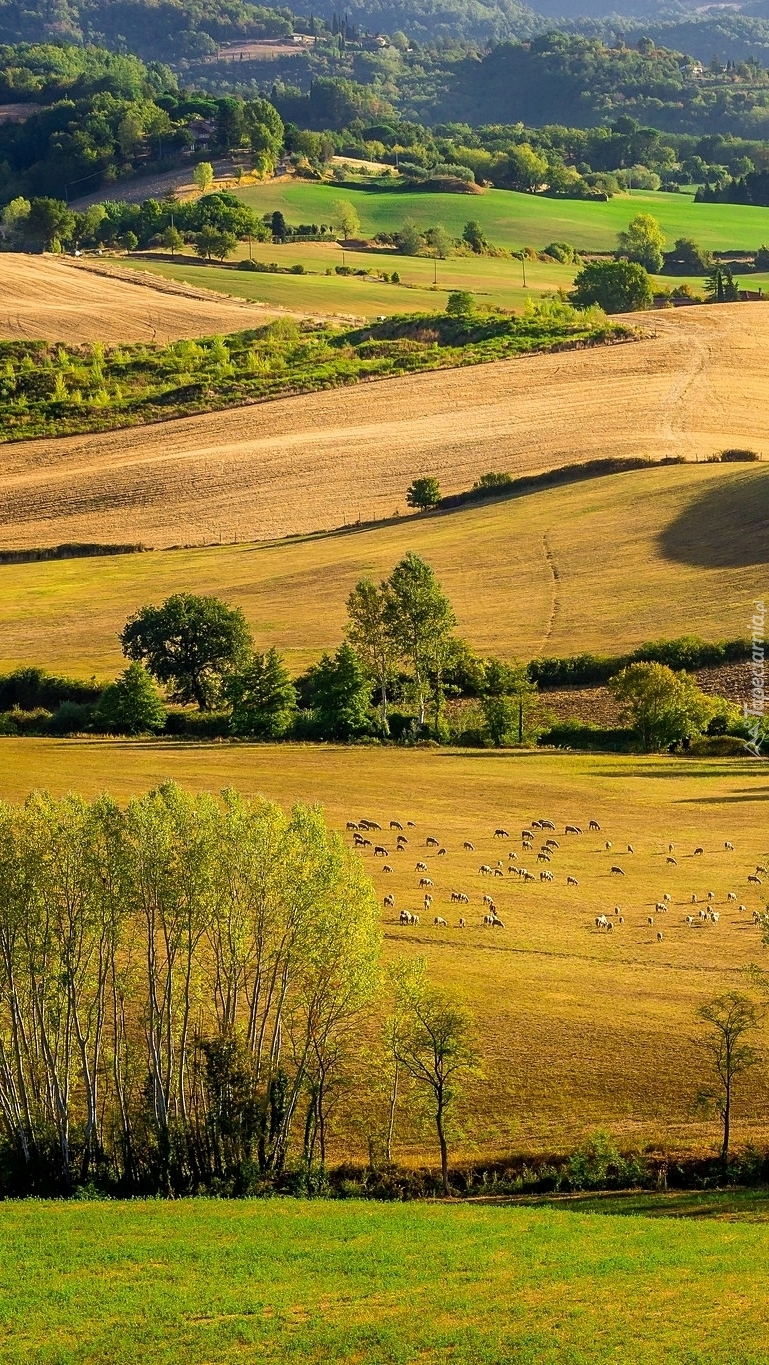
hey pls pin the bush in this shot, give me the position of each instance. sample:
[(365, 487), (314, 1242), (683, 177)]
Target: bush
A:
[(32, 688), (71, 718), (599, 1165), (198, 724), (492, 480), (616, 286), (460, 303), (737, 456), (576, 734), (248, 265), (32, 722), (561, 251)]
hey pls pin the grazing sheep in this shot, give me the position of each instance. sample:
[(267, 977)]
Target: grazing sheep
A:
[(729, 846), (690, 919), (366, 843), (351, 825), (552, 843), (618, 909), (659, 935), (428, 900), (488, 900), (610, 926), (439, 920), (431, 842), (460, 897), (621, 919), (698, 852), (543, 856), (671, 848), (470, 847), (406, 917), (761, 868), (526, 834), (547, 876), (666, 896), (496, 922), (358, 840), (498, 872), (671, 862), (608, 845), (630, 848), (703, 914), (594, 825), (401, 841), (462, 923), (660, 908), (546, 824), (527, 876), (425, 881), (372, 824), (488, 921), (389, 901), (396, 824), (528, 848), (420, 867), (711, 895), (380, 851), (513, 856), (617, 872), (601, 922), (572, 829), (649, 919), (741, 908), (485, 870), (730, 896), (501, 834), (755, 880), (572, 881), (411, 824), (386, 868), (694, 897), (715, 916), (441, 853)]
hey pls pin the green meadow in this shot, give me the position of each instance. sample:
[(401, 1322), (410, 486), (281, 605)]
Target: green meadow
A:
[(213, 1283), (510, 220), (514, 220)]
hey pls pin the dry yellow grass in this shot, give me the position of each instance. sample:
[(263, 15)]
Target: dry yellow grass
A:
[(50, 299), (599, 565), (697, 383), (578, 1028)]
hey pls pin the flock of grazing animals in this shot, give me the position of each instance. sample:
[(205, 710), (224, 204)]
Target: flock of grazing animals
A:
[(547, 852)]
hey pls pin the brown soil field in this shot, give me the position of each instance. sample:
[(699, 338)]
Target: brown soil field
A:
[(50, 299), (579, 1028), (695, 384)]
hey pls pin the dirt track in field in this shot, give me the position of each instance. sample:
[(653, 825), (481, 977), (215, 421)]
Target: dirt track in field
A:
[(72, 302), (697, 383)]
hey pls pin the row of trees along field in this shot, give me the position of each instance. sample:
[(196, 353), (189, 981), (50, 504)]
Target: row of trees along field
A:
[(401, 673), (190, 988)]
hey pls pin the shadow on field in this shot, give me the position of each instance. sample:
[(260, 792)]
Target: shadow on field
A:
[(727, 527), (733, 1205)]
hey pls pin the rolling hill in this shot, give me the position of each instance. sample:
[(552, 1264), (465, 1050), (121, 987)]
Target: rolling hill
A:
[(695, 384)]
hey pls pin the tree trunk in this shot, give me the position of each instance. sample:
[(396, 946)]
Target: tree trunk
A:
[(391, 1118), (442, 1144), (727, 1121)]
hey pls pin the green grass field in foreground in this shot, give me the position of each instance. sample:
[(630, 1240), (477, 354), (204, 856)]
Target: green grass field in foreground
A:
[(515, 220), (290, 1281)]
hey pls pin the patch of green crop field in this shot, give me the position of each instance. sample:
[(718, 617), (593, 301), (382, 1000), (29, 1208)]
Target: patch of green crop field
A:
[(319, 1283)]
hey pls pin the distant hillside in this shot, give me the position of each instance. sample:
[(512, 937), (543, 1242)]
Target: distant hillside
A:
[(583, 82), (157, 30)]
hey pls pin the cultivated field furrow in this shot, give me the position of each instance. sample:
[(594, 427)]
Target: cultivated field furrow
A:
[(42, 298), (694, 384)]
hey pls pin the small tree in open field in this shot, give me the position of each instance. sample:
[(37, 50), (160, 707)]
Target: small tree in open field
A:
[(728, 1020), (432, 1037), (346, 219), (262, 697), (203, 176), (424, 493), (643, 241), (132, 703), (421, 621)]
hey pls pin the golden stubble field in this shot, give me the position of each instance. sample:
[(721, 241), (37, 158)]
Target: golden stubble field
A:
[(578, 1028), (697, 383), (600, 565), (49, 299)]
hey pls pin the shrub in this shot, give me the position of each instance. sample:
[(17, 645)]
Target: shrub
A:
[(736, 456), (576, 734), (561, 251), (71, 718), (131, 704), (248, 265), (460, 303), (492, 480), (598, 1165), (31, 688)]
